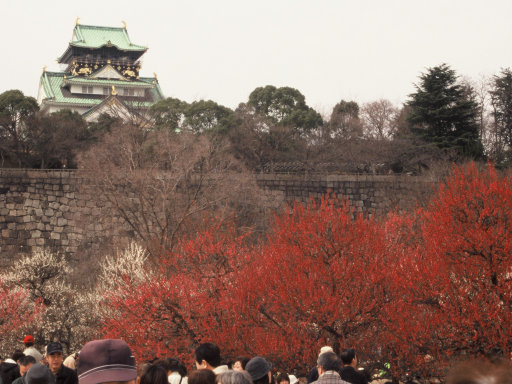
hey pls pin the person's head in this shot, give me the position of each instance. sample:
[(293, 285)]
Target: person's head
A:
[(282, 378), (202, 376), (240, 363), (176, 366), (39, 374), (106, 361), (141, 370), (480, 372), (28, 341), (17, 355), (164, 364), (234, 377), (25, 363), (155, 374), (259, 370), (207, 356), (54, 356), (293, 379), (348, 356), (328, 361), (324, 349)]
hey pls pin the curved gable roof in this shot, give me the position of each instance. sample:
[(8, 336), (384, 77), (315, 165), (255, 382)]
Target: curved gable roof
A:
[(91, 36)]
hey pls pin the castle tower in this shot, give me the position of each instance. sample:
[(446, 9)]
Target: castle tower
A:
[(101, 76)]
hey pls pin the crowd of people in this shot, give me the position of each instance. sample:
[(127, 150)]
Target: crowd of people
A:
[(111, 361)]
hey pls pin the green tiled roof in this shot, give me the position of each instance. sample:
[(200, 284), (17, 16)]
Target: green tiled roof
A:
[(90, 36), (142, 83), (52, 84)]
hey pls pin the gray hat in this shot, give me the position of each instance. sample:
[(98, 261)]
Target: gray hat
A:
[(39, 374), (258, 367), (102, 361)]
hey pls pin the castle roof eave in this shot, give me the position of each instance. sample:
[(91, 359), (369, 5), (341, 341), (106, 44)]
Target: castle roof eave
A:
[(97, 37), (67, 54)]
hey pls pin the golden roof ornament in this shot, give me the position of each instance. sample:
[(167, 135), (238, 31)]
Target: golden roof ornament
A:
[(44, 69), (76, 21), (124, 24), (114, 92), (156, 77)]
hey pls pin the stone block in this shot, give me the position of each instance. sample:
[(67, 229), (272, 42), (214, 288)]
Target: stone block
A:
[(55, 236)]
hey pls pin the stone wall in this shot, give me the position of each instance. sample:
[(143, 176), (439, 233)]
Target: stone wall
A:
[(374, 194), (55, 209), (51, 209)]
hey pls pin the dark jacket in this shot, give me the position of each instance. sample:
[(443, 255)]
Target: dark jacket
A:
[(9, 372), (348, 373), (313, 375), (66, 376), (19, 380)]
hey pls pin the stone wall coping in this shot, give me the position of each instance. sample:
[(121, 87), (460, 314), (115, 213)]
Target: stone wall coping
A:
[(81, 173), (342, 178)]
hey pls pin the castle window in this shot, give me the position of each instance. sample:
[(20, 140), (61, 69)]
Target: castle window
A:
[(105, 90)]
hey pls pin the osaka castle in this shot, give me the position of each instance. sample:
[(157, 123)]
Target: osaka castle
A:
[(101, 75)]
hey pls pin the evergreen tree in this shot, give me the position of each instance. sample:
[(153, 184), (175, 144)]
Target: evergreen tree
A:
[(444, 112), (501, 98), (285, 106)]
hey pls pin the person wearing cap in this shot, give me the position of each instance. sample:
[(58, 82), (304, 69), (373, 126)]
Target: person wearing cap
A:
[(313, 374), (54, 358), (329, 365), (208, 357), (260, 370), (106, 361), (39, 374), (30, 350)]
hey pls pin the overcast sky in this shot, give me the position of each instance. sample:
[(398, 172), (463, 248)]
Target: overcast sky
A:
[(329, 50)]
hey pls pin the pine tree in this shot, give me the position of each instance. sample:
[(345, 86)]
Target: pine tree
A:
[(501, 98), (444, 112)]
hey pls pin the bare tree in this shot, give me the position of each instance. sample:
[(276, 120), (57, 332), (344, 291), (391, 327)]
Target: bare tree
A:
[(378, 119), (162, 184)]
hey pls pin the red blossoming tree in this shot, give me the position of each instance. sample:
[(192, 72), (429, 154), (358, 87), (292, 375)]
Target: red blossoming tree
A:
[(453, 295), (319, 279)]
